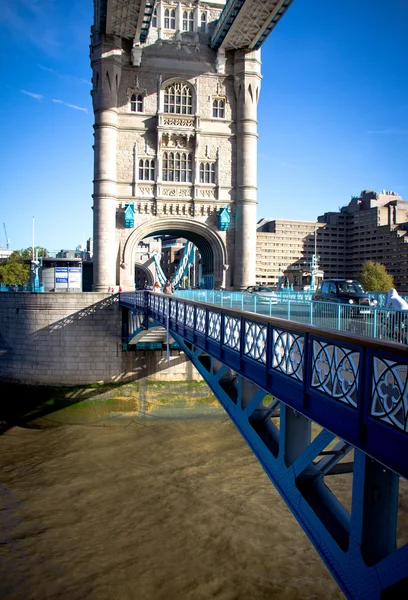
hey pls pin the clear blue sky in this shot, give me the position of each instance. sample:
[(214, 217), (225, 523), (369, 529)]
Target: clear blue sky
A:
[(333, 113)]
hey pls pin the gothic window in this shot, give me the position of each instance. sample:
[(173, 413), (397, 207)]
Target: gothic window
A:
[(178, 99), (207, 172), (136, 103), (170, 18), (146, 169), (203, 27), (154, 18), (188, 20), (177, 166), (219, 108)]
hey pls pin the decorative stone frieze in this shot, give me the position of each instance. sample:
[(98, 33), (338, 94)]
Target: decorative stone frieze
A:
[(176, 192)]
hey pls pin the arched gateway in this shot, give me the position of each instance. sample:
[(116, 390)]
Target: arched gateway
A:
[(208, 241), (175, 142)]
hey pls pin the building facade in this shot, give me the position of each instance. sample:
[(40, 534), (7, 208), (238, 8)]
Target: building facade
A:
[(175, 143), (284, 252), (373, 226)]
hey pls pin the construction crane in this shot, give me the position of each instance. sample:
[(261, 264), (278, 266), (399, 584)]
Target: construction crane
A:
[(7, 239)]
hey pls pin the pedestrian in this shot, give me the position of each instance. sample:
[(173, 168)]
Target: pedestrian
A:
[(168, 288), (120, 289), (396, 321), (395, 301), (156, 287)]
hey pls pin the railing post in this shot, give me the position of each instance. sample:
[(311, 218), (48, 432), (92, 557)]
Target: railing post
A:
[(288, 310), (374, 333), (339, 311)]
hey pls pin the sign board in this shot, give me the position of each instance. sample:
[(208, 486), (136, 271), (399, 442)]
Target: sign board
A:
[(68, 279)]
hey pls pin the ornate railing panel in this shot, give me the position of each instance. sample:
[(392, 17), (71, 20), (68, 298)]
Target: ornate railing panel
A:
[(357, 388)]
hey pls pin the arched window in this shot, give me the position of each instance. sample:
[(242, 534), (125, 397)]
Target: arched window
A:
[(177, 166), (207, 172), (188, 20), (170, 18), (203, 27), (154, 18), (218, 108), (146, 169), (178, 99), (136, 103)]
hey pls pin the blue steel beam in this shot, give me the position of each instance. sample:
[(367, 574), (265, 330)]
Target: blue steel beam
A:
[(231, 349)]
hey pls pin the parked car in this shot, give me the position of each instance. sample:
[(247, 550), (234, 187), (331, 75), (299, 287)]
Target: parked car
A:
[(345, 291), (263, 294)]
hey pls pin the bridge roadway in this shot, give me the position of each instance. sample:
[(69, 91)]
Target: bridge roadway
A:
[(312, 404)]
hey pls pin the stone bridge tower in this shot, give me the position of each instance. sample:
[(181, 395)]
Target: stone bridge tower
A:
[(175, 139)]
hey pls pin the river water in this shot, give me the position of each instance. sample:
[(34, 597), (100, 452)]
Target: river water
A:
[(147, 494)]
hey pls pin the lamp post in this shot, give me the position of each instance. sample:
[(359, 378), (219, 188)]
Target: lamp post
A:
[(314, 266)]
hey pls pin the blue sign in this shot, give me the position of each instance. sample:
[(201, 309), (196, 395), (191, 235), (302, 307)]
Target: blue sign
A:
[(61, 279)]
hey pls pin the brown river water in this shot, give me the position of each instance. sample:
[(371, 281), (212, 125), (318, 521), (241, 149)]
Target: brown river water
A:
[(135, 497)]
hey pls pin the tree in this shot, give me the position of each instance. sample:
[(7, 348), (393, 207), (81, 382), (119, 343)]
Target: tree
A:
[(28, 252), (13, 272), (374, 277)]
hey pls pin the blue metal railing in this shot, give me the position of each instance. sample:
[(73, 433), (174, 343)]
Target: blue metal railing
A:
[(356, 388), (380, 323), (21, 288)]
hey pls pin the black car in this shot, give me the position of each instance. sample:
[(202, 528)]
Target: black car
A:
[(345, 291)]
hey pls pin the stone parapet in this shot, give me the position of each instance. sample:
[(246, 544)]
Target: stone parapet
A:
[(73, 339)]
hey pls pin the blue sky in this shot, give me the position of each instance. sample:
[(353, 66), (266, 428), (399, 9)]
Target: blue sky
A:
[(333, 113)]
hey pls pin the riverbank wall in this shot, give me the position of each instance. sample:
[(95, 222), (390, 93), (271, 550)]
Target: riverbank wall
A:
[(75, 339)]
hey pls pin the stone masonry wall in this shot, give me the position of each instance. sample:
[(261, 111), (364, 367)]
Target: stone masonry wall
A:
[(74, 339)]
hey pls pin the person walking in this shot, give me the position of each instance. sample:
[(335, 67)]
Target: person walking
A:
[(168, 288), (395, 301), (396, 321)]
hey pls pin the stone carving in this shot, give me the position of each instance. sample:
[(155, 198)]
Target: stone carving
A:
[(207, 193), (177, 192), (146, 190), (174, 140), (178, 122)]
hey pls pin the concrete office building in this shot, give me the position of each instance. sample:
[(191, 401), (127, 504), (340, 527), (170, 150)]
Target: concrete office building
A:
[(373, 226), (284, 251)]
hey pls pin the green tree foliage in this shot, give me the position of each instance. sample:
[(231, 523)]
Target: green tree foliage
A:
[(14, 272), (374, 277), (28, 252)]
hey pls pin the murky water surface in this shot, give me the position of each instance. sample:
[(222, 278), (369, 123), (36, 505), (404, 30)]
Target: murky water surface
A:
[(145, 493)]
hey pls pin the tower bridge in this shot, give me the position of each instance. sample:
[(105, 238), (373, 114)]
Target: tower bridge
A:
[(175, 94)]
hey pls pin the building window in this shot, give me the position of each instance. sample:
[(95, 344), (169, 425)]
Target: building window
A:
[(178, 166), (170, 18), (188, 20), (218, 108), (154, 18), (136, 103), (178, 99), (146, 169), (203, 27), (207, 172)]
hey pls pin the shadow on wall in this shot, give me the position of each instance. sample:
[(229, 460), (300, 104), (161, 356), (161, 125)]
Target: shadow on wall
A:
[(54, 339)]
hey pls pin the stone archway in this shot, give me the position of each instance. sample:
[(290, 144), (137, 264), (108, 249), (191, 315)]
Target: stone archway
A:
[(208, 242), (147, 270)]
